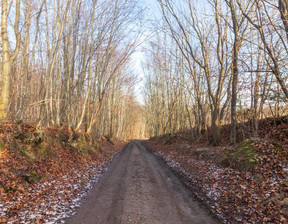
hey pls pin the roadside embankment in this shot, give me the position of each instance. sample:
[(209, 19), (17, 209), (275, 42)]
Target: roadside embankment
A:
[(243, 183), (44, 172)]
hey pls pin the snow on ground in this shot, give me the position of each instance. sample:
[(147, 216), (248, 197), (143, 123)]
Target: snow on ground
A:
[(56, 199), (233, 196)]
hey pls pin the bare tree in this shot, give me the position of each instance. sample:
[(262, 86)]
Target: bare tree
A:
[(7, 58)]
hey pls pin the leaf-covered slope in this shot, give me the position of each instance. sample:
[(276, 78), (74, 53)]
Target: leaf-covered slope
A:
[(244, 183), (44, 173)]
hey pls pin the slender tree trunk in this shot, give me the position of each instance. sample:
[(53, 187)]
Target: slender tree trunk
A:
[(215, 126), (26, 63), (6, 65), (7, 59), (235, 73), (255, 105), (283, 8)]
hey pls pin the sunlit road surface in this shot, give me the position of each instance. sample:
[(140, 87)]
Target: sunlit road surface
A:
[(140, 188)]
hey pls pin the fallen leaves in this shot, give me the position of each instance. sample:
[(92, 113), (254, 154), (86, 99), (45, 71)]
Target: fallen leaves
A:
[(236, 196), (48, 187)]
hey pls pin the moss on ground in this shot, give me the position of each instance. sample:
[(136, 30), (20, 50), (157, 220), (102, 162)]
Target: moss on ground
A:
[(277, 146), (35, 177), (18, 148), (9, 189), (2, 146), (48, 151), (82, 144), (245, 158)]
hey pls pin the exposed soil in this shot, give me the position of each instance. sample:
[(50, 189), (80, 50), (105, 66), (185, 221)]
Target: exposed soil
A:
[(140, 188)]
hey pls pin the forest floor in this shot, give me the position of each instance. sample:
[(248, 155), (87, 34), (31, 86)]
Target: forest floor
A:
[(45, 172), (140, 188), (242, 183)]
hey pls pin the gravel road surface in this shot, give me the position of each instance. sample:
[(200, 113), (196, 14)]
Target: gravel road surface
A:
[(140, 188)]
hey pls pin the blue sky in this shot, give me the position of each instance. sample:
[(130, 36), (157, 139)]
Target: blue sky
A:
[(151, 14)]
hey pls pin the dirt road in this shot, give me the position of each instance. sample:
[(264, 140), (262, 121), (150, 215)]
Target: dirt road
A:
[(139, 188)]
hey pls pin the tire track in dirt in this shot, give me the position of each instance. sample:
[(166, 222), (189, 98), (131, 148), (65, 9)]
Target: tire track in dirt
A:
[(139, 188)]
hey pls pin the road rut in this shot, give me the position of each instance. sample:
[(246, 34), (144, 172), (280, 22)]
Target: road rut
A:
[(139, 188)]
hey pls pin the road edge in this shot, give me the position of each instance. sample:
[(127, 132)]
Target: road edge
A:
[(184, 179)]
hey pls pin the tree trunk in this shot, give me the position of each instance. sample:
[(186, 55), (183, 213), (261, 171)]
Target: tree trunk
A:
[(283, 8), (216, 126), (7, 59), (234, 94), (6, 65)]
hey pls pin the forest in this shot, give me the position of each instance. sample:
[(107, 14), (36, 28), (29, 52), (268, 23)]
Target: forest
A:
[(201, 84), (67, 63), (224, 62)]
